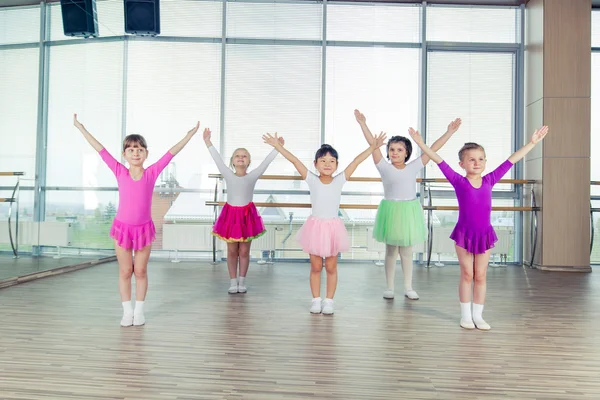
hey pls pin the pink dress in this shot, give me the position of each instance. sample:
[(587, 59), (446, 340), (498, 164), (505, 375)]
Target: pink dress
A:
[(132, 227)]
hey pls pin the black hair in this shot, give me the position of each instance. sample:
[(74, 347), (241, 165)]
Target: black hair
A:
[(400, 139), (324, 150)]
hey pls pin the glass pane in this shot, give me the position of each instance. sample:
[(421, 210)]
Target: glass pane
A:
[(191, 18), (373, 22), (595, 28), (18, 118), (473, 24), (274, 20), (478, 88), (86, 79), (19, 25), (170, 87)]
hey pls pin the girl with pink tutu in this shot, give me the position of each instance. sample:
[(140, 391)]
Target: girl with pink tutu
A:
[(132, 228), (473, 234), (324, 235), (239, 222)]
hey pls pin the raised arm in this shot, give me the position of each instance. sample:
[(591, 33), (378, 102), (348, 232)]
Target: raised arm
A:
[(88, 136), (537, 137), (226, 172), (362, 121), (438, 144), (377, 143), (273, 140), (268, 160), (416, 136), (177, 148)]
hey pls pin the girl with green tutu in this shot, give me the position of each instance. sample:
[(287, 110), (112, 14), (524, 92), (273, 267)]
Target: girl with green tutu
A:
[(399, 222)]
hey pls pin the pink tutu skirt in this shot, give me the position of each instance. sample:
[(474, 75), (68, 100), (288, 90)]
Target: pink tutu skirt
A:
[(239, 223), (476, 241), (325, 237), (134, 237)]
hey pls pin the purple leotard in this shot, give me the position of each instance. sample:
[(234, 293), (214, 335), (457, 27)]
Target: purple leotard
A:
[(474, 231)]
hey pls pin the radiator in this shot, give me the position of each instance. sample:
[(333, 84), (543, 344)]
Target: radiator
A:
[(47, 233)]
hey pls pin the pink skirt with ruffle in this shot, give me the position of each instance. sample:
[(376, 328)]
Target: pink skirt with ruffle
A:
[(474, 241), (324, 237), (134, 237), (239, 223)]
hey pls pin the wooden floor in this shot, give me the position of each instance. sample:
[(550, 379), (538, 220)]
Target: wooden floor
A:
[(60, 337)]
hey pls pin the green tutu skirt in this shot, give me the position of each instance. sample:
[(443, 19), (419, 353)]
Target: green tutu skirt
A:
[(400, 223)]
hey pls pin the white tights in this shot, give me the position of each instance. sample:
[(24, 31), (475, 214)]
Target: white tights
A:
[(391, 255)]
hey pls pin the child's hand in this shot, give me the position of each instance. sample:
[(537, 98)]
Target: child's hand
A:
[(273, 140), (454, 125), (379, 140), (280, 140), (193, 131), (539, 135), (360, 117), (206, 135), (415, 135), (77, 124)]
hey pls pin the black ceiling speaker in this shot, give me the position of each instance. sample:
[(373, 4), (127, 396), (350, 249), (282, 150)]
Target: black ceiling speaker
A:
[(142, 17), (79, 17)]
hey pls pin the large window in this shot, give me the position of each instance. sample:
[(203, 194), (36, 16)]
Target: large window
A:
[(243, 68)]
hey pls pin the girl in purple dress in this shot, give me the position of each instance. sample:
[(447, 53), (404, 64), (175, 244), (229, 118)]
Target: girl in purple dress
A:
[(473, 234)]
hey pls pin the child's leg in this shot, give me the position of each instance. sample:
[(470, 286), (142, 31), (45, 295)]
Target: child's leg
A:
[(125, 271), (479, 289), (406, 257), (391, 254), (125, 259), (233, 254), (244, 251), (465, 260), (332, 277), (140, 270), (316, 266)]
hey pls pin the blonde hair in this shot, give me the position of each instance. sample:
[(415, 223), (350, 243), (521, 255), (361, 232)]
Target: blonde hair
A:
[(233, 154), (469, 146)]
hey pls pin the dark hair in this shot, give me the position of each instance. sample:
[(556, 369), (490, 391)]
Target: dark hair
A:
[(324, 150), (400, 139), (469, 146), (131, 140)]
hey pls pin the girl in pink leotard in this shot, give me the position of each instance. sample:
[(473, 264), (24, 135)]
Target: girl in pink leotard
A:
[(132, 228), (474, 235)]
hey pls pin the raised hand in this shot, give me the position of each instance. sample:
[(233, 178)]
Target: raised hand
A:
[(360, 117), (281, 141), (77, 124), (273, 140), (206, 134), (454, 125), (379, 140), (539, 134), (415, 135), (193, 131)]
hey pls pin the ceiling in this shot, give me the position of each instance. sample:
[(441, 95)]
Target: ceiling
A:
[(595, 3)]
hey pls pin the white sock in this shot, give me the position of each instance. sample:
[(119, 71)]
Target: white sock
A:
[(406, 259), (391, 254), (139, 307), (465, 311), (477, 311), (242, 280), (127, 308), (233, 282)]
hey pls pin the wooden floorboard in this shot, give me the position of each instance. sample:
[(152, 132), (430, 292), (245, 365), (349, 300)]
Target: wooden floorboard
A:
[(60, 337)]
